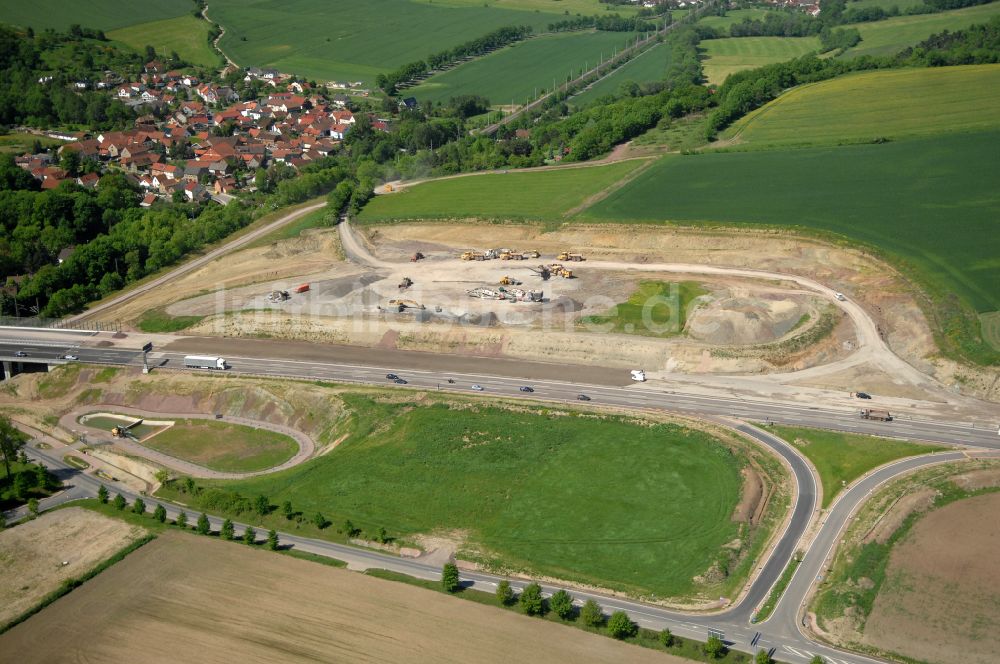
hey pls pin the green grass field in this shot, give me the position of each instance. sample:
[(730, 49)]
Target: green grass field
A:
[(841, 458), (355, 41), (19, 143), (894, 34), (538, 195), (648, 66), (517, 72), (224, 446), (585, 7), (97, 14), (108, 423), (725, 56), (931, 202), (884, 4), (890, 103), (991, 328), (158, 320), (656, 308), (594, 499), (185, 34), (731, 17)]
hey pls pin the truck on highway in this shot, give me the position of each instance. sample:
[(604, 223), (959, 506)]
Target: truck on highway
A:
[(873, 414), (204, 362)]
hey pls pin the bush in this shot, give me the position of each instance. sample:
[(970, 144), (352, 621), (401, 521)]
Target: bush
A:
[(666, 638), (119, 502), (139, 506), (102, 495), (226, 532), (531, 600), (620, 626), (562, 604), (204, 527), (714, 647), (591, 614), (249, 536), (182, 520), (449, 578), (272, 540), (505, 594), (160, 514)]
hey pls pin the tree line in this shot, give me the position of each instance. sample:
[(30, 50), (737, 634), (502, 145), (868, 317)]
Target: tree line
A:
[(612, 23), (413, 70)]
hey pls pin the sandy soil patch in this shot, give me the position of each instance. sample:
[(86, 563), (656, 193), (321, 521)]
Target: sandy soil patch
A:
[(32, 555), (891, 520), (978, 479), (941, 599), (753, 491), (174, 599)]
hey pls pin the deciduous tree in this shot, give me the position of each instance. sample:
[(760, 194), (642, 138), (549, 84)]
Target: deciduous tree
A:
[(262, 505), (32, 508), (591, 614), (505, 594), (139, 506), (272, 540), (160, 513), (12, 440), (119, 501), (666, 638), (620, 626), (182, 520), (286, 509), (531, 600), (249, 536), (227, 530), (102, 495), (562, 604), (714, 647), (203, 527), (449, 578), (763, 657)]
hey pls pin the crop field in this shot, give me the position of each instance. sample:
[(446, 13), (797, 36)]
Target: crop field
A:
[(185, 34), (894, 34), (648, 66), (516, 73), (185, 598), (656, 309), (884, 4), (930, 202), (732, 54), (731, 17), (97, 14), (358, 40), (889, 104), (525, 195), (594, 499), (223, 446), (585, 7), (841, 458)]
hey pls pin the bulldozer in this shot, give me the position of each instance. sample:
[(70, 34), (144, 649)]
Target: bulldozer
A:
[(509, 281), (570, 256), (558, 270), (405, 283)]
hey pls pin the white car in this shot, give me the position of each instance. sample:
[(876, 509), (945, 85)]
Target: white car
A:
[(477, 387), (67, 356), (841, 297), (638, 375)]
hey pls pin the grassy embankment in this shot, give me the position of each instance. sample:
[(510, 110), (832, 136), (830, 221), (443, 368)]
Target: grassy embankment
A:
[(656, 309), (549, 491), (224, 446), (516, 73), (186, 35), (841, 458)]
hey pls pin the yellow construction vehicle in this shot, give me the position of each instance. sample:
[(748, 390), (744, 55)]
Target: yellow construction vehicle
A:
[(570, 256), (473, 256), (558, 270), (406, 304), (530, 254), (509, 281)]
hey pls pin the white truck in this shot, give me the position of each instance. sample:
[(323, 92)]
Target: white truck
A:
[(639, 375), (205, 362)]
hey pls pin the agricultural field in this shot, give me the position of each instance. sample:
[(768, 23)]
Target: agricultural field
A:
[(884, 4), (516, 73), (223, 446), (731, 17), (656, 309), (358, 40), (178, 593), (19, 143), (585, 7), (96, 14), (186, 35), (931, 203), (549, 491), (732, 54), (840, 458), (891, 104), (545, 194), (894, 34), (650, 65)]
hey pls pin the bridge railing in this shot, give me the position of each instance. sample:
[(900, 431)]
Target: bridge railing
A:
[(60, 324)]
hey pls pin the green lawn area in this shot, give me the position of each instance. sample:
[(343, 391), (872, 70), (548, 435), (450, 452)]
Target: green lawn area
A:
[(185, 34), (841, 458), (544, 195), (96, 14), (732, 54), (650, 65), (930, 202), (19, 143), (586, 7), (356, 40), (158, 320), (894, 34), (657, 309), (884, 4), (732, 16), (108, 423), (892, 103), (517, 72), (315, 219), (597, 499), (991, 328), (224, 446)]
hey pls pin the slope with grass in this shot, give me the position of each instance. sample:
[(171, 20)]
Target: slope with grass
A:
[(543, 194), (732, 54), (518, 72), (894, 34), (223, 446), (731, 17), (891, 104), (650, 65), (930, 203), (96, 14), (656, 309), (356, 41), (591, 498), (841, 458), (186, 35)]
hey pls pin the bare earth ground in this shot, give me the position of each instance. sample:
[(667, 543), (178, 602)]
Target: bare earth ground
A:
[(941, 599), (32, 555), (173, 601)]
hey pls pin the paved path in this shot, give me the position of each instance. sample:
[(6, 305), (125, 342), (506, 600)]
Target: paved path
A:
[(70, 422)]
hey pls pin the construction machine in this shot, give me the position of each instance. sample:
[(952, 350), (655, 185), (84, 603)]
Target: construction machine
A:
[(125, 431), (509, 281), (401, 305), (559, 271), (530, 254), (473, 256), (416, 257), (405, 283), (278, 296), (570, 256), (542, 271)]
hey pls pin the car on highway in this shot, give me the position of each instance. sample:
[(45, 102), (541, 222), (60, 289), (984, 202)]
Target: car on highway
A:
[(862, 395), (477, 387), (399, 381), (391, 376), (20, 353), (525, 388), (68, 356), (582, 397)]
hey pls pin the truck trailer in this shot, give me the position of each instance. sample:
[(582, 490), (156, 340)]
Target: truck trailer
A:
[(873, 414), (205, 362)]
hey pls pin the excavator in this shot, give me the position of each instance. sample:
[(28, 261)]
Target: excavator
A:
[(405, 283), (125, 431), (402, 305)]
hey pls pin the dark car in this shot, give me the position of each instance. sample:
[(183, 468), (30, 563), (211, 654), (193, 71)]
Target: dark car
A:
[(582, 397), (391, 376), (20, 353), (527, 389), (863, 395), (399, 381)]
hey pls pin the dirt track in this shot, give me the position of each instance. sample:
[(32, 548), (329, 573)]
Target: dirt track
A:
[(184, 598)]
